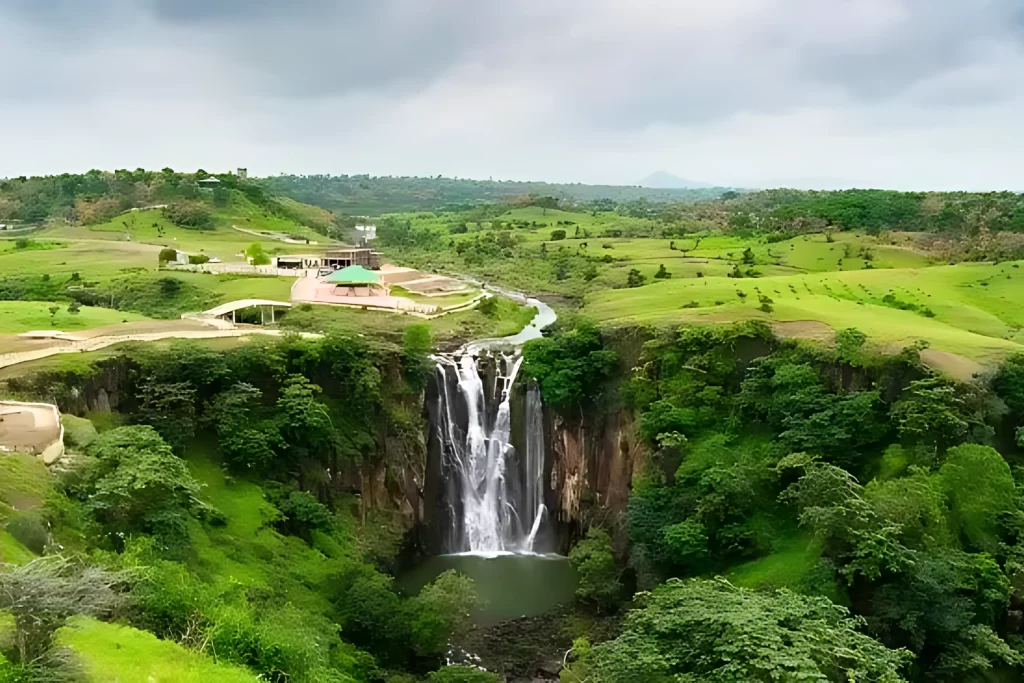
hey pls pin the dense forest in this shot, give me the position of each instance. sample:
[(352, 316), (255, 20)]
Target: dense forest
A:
[(881, 502)]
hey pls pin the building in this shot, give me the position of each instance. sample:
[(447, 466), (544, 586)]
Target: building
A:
[(298, 261), (343, 258), (243, 173), (334, 258), (208, 183)]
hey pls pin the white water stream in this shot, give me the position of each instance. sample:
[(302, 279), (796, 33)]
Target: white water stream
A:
[(495, 498)]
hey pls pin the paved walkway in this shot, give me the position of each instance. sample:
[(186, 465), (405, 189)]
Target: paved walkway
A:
[(314, 291)]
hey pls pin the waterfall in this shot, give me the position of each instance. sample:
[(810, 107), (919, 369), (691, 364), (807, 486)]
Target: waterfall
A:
[(495, 499), (533, 465)]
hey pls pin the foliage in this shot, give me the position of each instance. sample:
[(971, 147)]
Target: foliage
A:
[(256, 255), (135, 484), (981, 492), (713, 631), (41, 595), (170, 408), (598, 576), (440, 613), (571, 365), (189, 214), (168, 254)]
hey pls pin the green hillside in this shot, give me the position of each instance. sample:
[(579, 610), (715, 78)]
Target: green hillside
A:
[(970, 309)]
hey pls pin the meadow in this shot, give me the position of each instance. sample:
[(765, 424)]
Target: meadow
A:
[(970, 309), (23, 316)]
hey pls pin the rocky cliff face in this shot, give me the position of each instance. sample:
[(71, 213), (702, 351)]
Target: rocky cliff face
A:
[(592, 467)]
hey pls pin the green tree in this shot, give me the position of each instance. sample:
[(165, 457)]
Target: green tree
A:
[(416, 348), (712, 631), (441, 612), (981, 492), (167, 254), (571, 365), (662, 273), (594, 562), (635, 278), (256, 255), (189, 214), (135, 484), (170, 408), (933, 412)]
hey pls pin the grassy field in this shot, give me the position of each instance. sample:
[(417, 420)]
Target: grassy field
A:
[(614, 245), (968, 309), (121, 654), (224, 241), (23, 316), (233, 287), (93, 259)]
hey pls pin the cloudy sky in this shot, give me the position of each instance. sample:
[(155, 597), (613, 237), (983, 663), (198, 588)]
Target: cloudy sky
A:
[(913, 94)]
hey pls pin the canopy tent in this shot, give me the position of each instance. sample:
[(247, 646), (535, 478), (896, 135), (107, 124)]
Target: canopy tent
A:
[(356, 281)]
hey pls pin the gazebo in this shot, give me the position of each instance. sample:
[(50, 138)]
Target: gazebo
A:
[(357, 281)]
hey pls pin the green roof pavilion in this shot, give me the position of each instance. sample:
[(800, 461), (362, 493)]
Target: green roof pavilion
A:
[(353, 275)]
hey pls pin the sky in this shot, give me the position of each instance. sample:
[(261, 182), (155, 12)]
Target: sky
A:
[(902, 94)]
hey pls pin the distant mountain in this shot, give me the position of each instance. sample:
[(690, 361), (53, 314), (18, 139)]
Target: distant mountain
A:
[(663, 180)]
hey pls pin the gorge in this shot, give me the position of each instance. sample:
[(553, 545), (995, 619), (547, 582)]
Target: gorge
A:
[(486, 437)]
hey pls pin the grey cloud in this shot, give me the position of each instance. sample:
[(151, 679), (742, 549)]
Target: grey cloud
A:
[(586, 69)]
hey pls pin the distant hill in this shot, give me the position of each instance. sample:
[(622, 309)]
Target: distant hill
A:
[(370, 195), (663, 180)]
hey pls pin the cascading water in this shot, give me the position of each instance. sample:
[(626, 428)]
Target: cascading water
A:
[(495, 502), (494, 495), (484, 498)]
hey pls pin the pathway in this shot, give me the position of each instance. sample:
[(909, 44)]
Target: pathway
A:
[(101, 342)]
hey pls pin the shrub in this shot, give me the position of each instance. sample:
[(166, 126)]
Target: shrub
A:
[(198, 259), (594, 563), (190, 215), (557, 235), (168, 254), (30, 532), (635, 278)]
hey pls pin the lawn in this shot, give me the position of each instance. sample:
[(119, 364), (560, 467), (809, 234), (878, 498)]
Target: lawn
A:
[(121, 654), (968, 309), (23, 316), (234, 287), (446, 301)]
